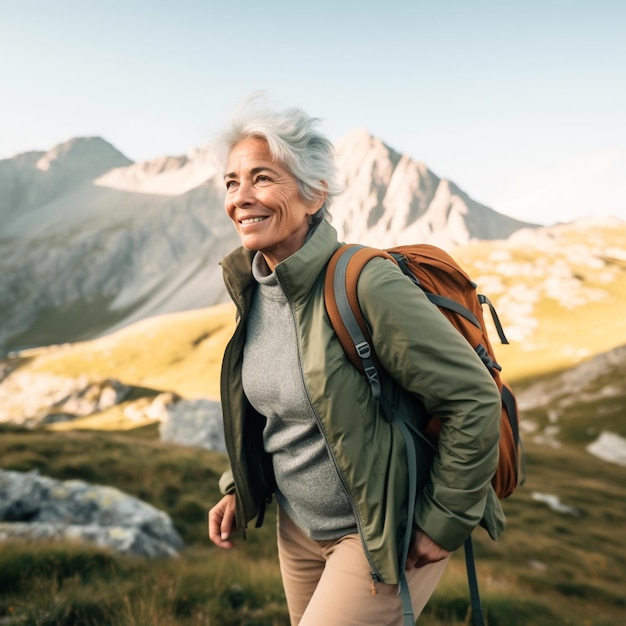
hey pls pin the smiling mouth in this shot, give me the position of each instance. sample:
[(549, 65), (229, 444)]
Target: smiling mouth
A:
[(252, 220)]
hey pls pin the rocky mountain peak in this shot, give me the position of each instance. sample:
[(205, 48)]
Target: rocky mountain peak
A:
[(85, 156), (390, 199), (361, 154), (164, 175), (36, 178)]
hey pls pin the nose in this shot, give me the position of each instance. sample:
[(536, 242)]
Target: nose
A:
[(243, 195)]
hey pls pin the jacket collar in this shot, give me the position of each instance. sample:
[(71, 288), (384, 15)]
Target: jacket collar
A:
[(297, 274)]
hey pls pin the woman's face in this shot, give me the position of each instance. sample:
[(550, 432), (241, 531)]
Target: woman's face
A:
[(263, 201)]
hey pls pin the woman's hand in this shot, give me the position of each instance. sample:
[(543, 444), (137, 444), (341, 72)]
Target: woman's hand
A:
[(424, 550), (222, 522)]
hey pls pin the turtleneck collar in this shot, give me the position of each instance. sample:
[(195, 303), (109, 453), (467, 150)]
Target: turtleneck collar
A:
[(262, 272)]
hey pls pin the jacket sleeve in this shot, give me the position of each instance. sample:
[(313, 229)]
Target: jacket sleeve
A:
[(227, 483), (427, 356)]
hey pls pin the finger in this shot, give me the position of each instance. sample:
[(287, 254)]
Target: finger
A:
[(214, 521), (228, 525), (215, 530), (411, 559)]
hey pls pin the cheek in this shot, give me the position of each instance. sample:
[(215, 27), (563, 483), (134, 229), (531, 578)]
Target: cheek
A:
[(285, 204), (229, 208)]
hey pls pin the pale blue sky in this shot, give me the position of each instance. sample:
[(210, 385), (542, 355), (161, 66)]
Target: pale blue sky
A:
[(522, 104)]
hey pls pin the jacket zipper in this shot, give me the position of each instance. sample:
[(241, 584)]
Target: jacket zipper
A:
[(376, 577)]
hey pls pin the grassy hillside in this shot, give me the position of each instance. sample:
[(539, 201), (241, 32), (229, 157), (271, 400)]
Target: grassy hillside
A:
[(549, 568), (560, 293), (560, 297), (180, 352)]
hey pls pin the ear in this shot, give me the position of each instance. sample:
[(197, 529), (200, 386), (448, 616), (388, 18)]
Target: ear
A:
[(321, 196)]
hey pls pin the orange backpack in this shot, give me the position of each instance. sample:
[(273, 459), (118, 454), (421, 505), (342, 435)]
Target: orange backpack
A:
[(449, 287)]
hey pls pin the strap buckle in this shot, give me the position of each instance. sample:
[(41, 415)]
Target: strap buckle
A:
[(363, 350)]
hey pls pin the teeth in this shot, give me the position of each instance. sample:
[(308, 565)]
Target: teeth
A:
[(252, 220)]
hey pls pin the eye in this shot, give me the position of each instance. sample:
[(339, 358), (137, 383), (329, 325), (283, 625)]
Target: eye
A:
[(230, 185), (262, 178)]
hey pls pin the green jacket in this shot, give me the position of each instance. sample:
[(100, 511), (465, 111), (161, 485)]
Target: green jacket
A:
[(424, 355)]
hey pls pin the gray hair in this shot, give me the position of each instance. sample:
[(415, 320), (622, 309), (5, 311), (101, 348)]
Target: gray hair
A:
[(293, 141)]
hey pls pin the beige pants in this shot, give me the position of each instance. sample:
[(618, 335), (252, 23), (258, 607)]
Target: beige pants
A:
[(328, 583)]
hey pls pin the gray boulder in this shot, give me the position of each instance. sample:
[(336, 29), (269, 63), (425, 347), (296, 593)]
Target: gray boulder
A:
[(118, 538), (38, 507), (193, 423)]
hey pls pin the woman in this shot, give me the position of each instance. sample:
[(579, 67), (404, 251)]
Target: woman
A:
[(299, 419)]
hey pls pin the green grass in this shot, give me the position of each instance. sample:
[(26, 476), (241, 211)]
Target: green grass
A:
[(547, 569), (67, 584)]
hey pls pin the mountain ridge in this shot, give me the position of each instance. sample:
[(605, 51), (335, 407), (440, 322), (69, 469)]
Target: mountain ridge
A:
[(392, 198), (89, 229), (34, 177)]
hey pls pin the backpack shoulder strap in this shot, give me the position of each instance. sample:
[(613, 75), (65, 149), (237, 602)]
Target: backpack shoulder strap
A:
[(342, 303)]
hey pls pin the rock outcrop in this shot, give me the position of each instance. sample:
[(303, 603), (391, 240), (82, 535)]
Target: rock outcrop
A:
[(38, 507), (194, 423), (589, 381), (31, 399)]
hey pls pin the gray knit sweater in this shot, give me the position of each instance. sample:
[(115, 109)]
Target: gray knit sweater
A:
[(308, 486)]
